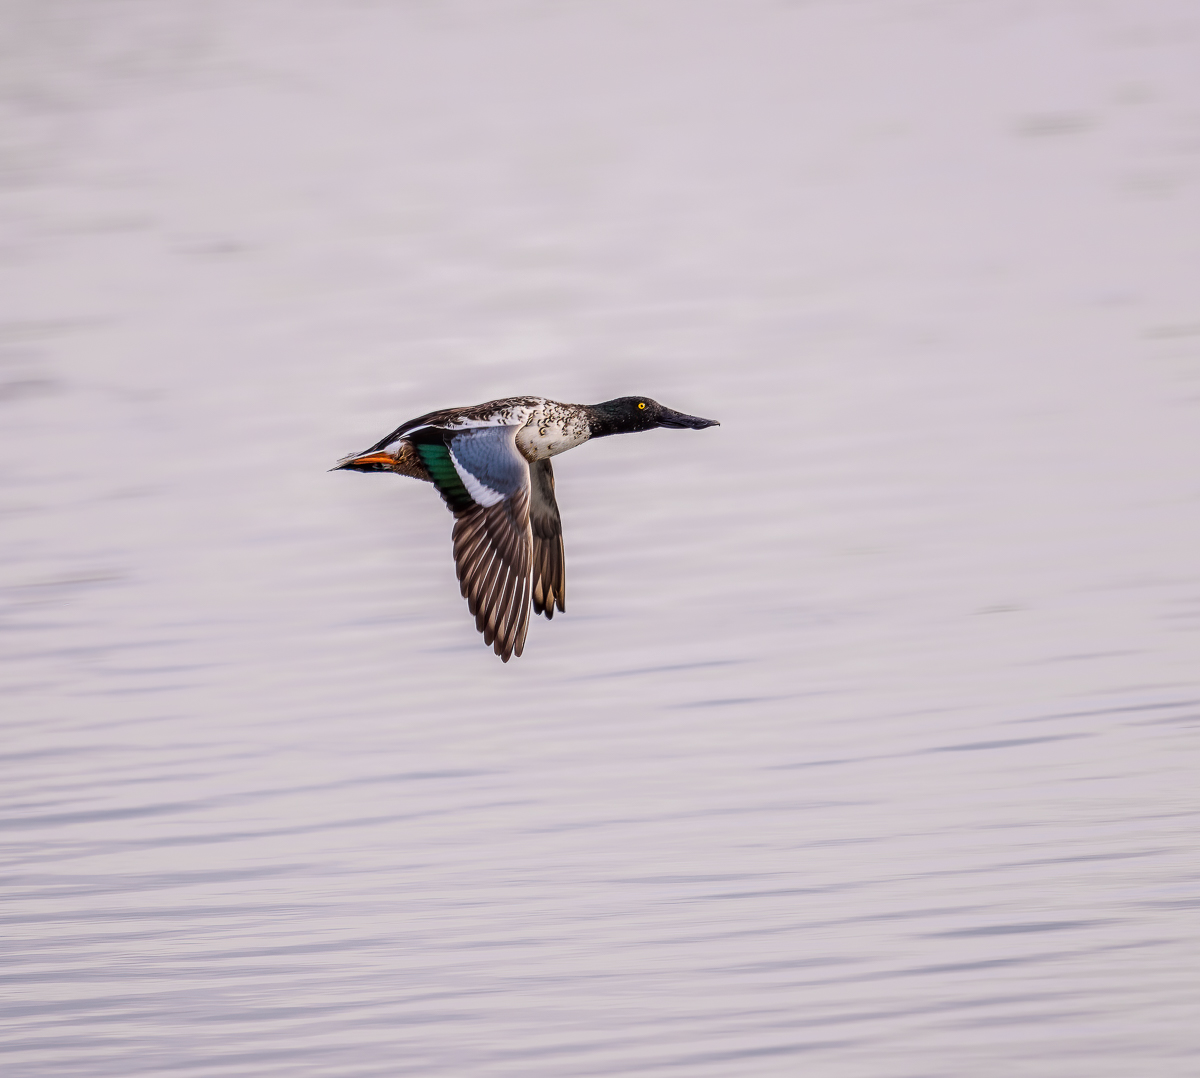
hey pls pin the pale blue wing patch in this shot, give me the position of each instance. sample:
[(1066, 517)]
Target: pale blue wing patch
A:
[(488, 463)]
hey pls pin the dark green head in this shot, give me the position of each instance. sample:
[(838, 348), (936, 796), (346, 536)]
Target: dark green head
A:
[(625, 415)]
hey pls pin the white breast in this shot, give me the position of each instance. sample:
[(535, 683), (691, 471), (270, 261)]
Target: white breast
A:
[(547, 435)]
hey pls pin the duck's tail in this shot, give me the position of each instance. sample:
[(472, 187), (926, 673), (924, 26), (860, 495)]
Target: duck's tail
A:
[(400, 457)]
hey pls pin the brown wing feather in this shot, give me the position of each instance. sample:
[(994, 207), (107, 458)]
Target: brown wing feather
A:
[(493, 556), (549, 562)]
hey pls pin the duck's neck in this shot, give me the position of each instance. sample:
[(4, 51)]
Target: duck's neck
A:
[(601, 422)]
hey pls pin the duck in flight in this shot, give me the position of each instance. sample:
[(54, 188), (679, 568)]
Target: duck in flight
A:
[(491, 465)]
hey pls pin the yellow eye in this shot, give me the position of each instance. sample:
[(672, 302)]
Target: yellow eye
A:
[(641, 404)]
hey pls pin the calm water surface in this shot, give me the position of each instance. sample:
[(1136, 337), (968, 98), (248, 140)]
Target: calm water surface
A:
[(868, 744)]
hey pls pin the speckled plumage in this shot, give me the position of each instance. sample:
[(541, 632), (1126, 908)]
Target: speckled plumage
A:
[(491, 464)]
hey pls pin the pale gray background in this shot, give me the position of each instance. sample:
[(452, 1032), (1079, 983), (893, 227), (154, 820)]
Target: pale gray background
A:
[(868, 744)]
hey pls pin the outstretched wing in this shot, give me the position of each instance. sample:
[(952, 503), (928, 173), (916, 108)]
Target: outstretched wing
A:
[(549, 565), (485, 482)]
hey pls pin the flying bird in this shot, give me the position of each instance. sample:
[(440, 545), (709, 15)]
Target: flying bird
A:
[(491, 465)]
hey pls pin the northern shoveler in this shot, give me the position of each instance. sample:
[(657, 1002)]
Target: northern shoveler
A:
[(491, 464)]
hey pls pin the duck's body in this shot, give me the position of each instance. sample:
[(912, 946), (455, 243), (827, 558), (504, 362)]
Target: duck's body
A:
[(491, 465)]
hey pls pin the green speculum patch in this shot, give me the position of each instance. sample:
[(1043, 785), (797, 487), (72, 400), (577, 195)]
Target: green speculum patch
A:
[(445, 476)]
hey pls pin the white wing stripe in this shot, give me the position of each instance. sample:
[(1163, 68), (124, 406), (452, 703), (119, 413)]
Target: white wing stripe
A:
[(483, 495)]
